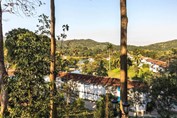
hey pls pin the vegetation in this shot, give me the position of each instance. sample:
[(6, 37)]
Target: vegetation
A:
[(131, 73), (85, 48), (93, 45), (163, 92), (100, 111), (19, 41), (35, 55), (160, 89), (163, 46), (28, 90), (27, 7)]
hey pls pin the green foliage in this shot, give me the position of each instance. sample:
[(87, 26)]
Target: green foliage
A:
[(78, 105), (143, 74), (163, 92), (172, 63), (88, 47), (94, 68), (44, 25), (101, 70), (82, 115), (115, 60), (162, 46), (74, 110), (82, 48), (160, 93), (88, 68), (101, 107), (173, 67), (65, 64), (27, 7), (28, 91)]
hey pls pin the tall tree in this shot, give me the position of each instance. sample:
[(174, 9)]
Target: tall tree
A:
[(3, 72), (30, 53), (11, 6), (63, 36), (123, 55), (44, 25), (100, 70), (109, 47), (163, 94), (52, 60)]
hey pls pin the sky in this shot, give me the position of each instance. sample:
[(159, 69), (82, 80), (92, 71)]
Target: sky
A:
[(149, 21)]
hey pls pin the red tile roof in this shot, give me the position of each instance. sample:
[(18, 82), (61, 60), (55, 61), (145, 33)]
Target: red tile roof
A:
[(97, 80), (157, 62)]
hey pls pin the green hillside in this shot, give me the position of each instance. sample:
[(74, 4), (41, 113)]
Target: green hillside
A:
[(162, 46), (80, 43), (91, 44)]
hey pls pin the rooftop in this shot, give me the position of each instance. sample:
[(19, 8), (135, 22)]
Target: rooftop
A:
[(97, 80)]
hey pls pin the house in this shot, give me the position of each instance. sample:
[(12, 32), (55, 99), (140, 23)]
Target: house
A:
[(92, 87), (154, 65)]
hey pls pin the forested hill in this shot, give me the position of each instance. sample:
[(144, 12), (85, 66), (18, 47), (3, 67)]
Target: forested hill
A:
[(91, 44), (162, 46), (81, 43)]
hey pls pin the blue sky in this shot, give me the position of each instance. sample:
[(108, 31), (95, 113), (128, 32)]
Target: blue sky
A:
[(150, 21)]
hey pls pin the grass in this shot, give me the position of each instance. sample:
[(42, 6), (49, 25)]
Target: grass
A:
[(131, 72), (116, 73)]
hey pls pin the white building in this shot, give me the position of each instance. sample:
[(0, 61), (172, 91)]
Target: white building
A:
[(92, 87), (154, 65)]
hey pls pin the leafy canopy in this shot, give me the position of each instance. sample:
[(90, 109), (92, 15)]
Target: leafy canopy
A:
[(28, 90)]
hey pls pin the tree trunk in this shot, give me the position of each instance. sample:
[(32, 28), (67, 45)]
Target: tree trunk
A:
[(109, 60), (107, 106), (123, 55), (52, 61), (3, 73)]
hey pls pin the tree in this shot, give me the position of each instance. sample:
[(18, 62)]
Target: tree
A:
[(88, 68), (44, 25), (172, 62), (172, 68), (63, 36), (109, 47), (123, 54), (160, 91), (163, 93), (101, 70), (53, 113), (103, 107), (11, 6), (28, 90), (3, 73)]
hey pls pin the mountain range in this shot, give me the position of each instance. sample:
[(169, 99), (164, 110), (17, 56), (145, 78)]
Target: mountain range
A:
[(91, 44)]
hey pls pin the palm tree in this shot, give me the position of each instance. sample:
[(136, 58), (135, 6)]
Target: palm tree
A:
[(109, 47), (123, 55), (63, 35), (52, 61)]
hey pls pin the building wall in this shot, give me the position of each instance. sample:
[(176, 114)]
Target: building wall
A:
[(90, 91)]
